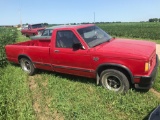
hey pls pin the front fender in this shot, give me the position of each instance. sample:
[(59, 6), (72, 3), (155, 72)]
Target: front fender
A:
[(120, 67)]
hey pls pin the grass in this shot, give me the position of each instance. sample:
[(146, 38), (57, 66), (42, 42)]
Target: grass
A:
[(49, 95), (79, 98), (67, 97), (15, 97), (21, 38), (15, 102)]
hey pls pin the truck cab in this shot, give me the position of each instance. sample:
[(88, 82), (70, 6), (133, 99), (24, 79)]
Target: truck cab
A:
[(33, 29)]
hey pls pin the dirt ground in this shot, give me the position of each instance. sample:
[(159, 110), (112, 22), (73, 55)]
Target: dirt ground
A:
[(158, 49), (158, 52)]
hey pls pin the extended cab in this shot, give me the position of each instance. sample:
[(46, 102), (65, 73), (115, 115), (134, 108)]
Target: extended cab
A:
[(33, 29), (86, 50)]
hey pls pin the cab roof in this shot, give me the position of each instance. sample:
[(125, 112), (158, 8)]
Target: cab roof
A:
[(70, 26)]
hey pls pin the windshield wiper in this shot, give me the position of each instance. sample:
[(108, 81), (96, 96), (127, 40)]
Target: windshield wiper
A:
[(99, 43), (103, 42)]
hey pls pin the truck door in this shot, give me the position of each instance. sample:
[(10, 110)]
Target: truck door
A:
[(65, 59)]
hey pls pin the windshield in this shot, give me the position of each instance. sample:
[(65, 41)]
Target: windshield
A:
[(94, 36), (37, 26)]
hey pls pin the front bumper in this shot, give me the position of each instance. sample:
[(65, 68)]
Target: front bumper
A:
[(146, 82)]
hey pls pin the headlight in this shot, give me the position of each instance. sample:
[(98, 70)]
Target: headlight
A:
[(147, 66)]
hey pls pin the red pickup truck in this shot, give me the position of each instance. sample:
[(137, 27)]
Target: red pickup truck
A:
[(86, 50), (33, 29)]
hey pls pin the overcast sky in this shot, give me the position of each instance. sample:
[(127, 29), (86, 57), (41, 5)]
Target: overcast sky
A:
[(77, 11)]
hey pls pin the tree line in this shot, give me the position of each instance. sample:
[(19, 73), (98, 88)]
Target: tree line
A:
[(154, 20)]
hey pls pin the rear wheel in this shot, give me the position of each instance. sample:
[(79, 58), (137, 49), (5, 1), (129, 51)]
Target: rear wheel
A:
[(27, 66), (114, 80)]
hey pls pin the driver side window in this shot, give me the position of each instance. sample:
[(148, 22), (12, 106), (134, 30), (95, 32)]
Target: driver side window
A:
[(66, 39)]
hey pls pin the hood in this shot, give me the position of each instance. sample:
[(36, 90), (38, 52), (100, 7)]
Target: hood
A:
[(127, 48)]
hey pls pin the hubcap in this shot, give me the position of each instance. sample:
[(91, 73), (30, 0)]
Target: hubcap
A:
[(26, 65), (113, 83)]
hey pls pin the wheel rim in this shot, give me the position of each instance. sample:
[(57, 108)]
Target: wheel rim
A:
[(26, 66), (113, 83)]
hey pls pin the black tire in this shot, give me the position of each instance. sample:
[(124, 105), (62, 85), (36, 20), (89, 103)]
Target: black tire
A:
[(27, 66), (114, 80)]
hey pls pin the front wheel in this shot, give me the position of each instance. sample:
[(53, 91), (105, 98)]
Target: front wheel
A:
[(114, 80), (27, 66)]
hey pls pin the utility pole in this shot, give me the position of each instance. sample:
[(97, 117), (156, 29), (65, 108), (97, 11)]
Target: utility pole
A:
[(20, 13), (94, 17), (20, 18)]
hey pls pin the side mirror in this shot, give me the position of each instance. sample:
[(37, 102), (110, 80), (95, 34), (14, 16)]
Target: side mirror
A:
[(78, 46)]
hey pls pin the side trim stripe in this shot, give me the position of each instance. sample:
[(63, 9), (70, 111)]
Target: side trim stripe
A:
[(78, 69), (39, 63)]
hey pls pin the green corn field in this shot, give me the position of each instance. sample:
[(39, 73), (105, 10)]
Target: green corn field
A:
[(143, 30)]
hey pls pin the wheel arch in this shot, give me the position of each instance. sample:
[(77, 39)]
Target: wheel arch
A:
[(25, 56), (32, 69), (119, 67)]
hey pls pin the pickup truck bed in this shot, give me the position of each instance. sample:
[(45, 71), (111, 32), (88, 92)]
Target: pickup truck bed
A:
[(38, 50), (42, 43)]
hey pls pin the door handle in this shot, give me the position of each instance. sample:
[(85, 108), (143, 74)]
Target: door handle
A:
[(56, 51)]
